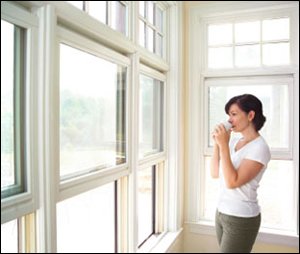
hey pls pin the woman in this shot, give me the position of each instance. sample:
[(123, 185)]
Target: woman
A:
[(240, 164)]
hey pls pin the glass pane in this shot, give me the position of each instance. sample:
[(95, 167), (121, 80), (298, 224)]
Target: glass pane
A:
[(142, 8), (97, 9), (150, 11), (247, 56), (77, 4), (92, 112), (142, 33), (276, 29), (13, 110), (119, 17), (150, 116), (276, 54), (219, 34), (275, 100), (150, 39), (159, 19), (220, 57), (247, 32), (7, 104), (9, 236), (145, 204), (211, 192), (278, 204), (159, 45), (86, 223)]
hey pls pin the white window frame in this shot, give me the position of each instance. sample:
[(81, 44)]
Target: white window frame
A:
[(15, 206), (199, 18)]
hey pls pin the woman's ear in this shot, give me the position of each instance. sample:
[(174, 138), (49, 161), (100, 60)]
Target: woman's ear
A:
[(251, 115)]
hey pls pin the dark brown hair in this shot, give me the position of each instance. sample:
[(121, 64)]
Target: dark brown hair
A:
[(246, 103)]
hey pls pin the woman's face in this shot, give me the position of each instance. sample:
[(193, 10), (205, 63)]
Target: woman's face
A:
[(239, 119)]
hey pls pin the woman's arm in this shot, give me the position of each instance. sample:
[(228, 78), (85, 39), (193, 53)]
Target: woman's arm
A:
[(214, 163), (245, 173), (247, 170)]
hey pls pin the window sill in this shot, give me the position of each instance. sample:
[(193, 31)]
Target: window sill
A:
[(160, 243), (265, 235)]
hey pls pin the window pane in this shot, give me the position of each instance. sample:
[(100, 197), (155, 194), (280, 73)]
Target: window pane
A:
[(142, 8), (92, 112), (119, 17), (13, 110), (97, 9), (86, 223), (247, 56), (7, 104), (278, 204), (150, 116), (150, 11), (77, 4), (275, 100), (159, 45), (150, 39), (159, 19), (276, 54), (219, 34), (145, 204), (220, 57), (247, 32), (142, 33), (211, 192), (9, 236), (276, 29)]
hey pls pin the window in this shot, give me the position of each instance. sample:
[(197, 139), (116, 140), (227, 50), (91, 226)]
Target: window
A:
[(92, 90), (146, 203), (151, 116), (12, 109), (19, 235), (150, 202), (264, 42), (9, 237), (84, 105), (93, 145), (112, 13), (151, 26), (151, 170), (85, 224), (274, 92), (18, 114), (237, 61), (257, 43)]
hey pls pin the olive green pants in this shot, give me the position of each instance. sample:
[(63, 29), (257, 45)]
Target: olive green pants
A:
[(236, 234)]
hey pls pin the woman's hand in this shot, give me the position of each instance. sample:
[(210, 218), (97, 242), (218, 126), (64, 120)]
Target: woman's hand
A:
[(220, 135)]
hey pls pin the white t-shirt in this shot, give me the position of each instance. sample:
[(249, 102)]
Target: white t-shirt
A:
[(242, 201)]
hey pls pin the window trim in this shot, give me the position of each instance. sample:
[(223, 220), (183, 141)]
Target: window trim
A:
[(195, 106)]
